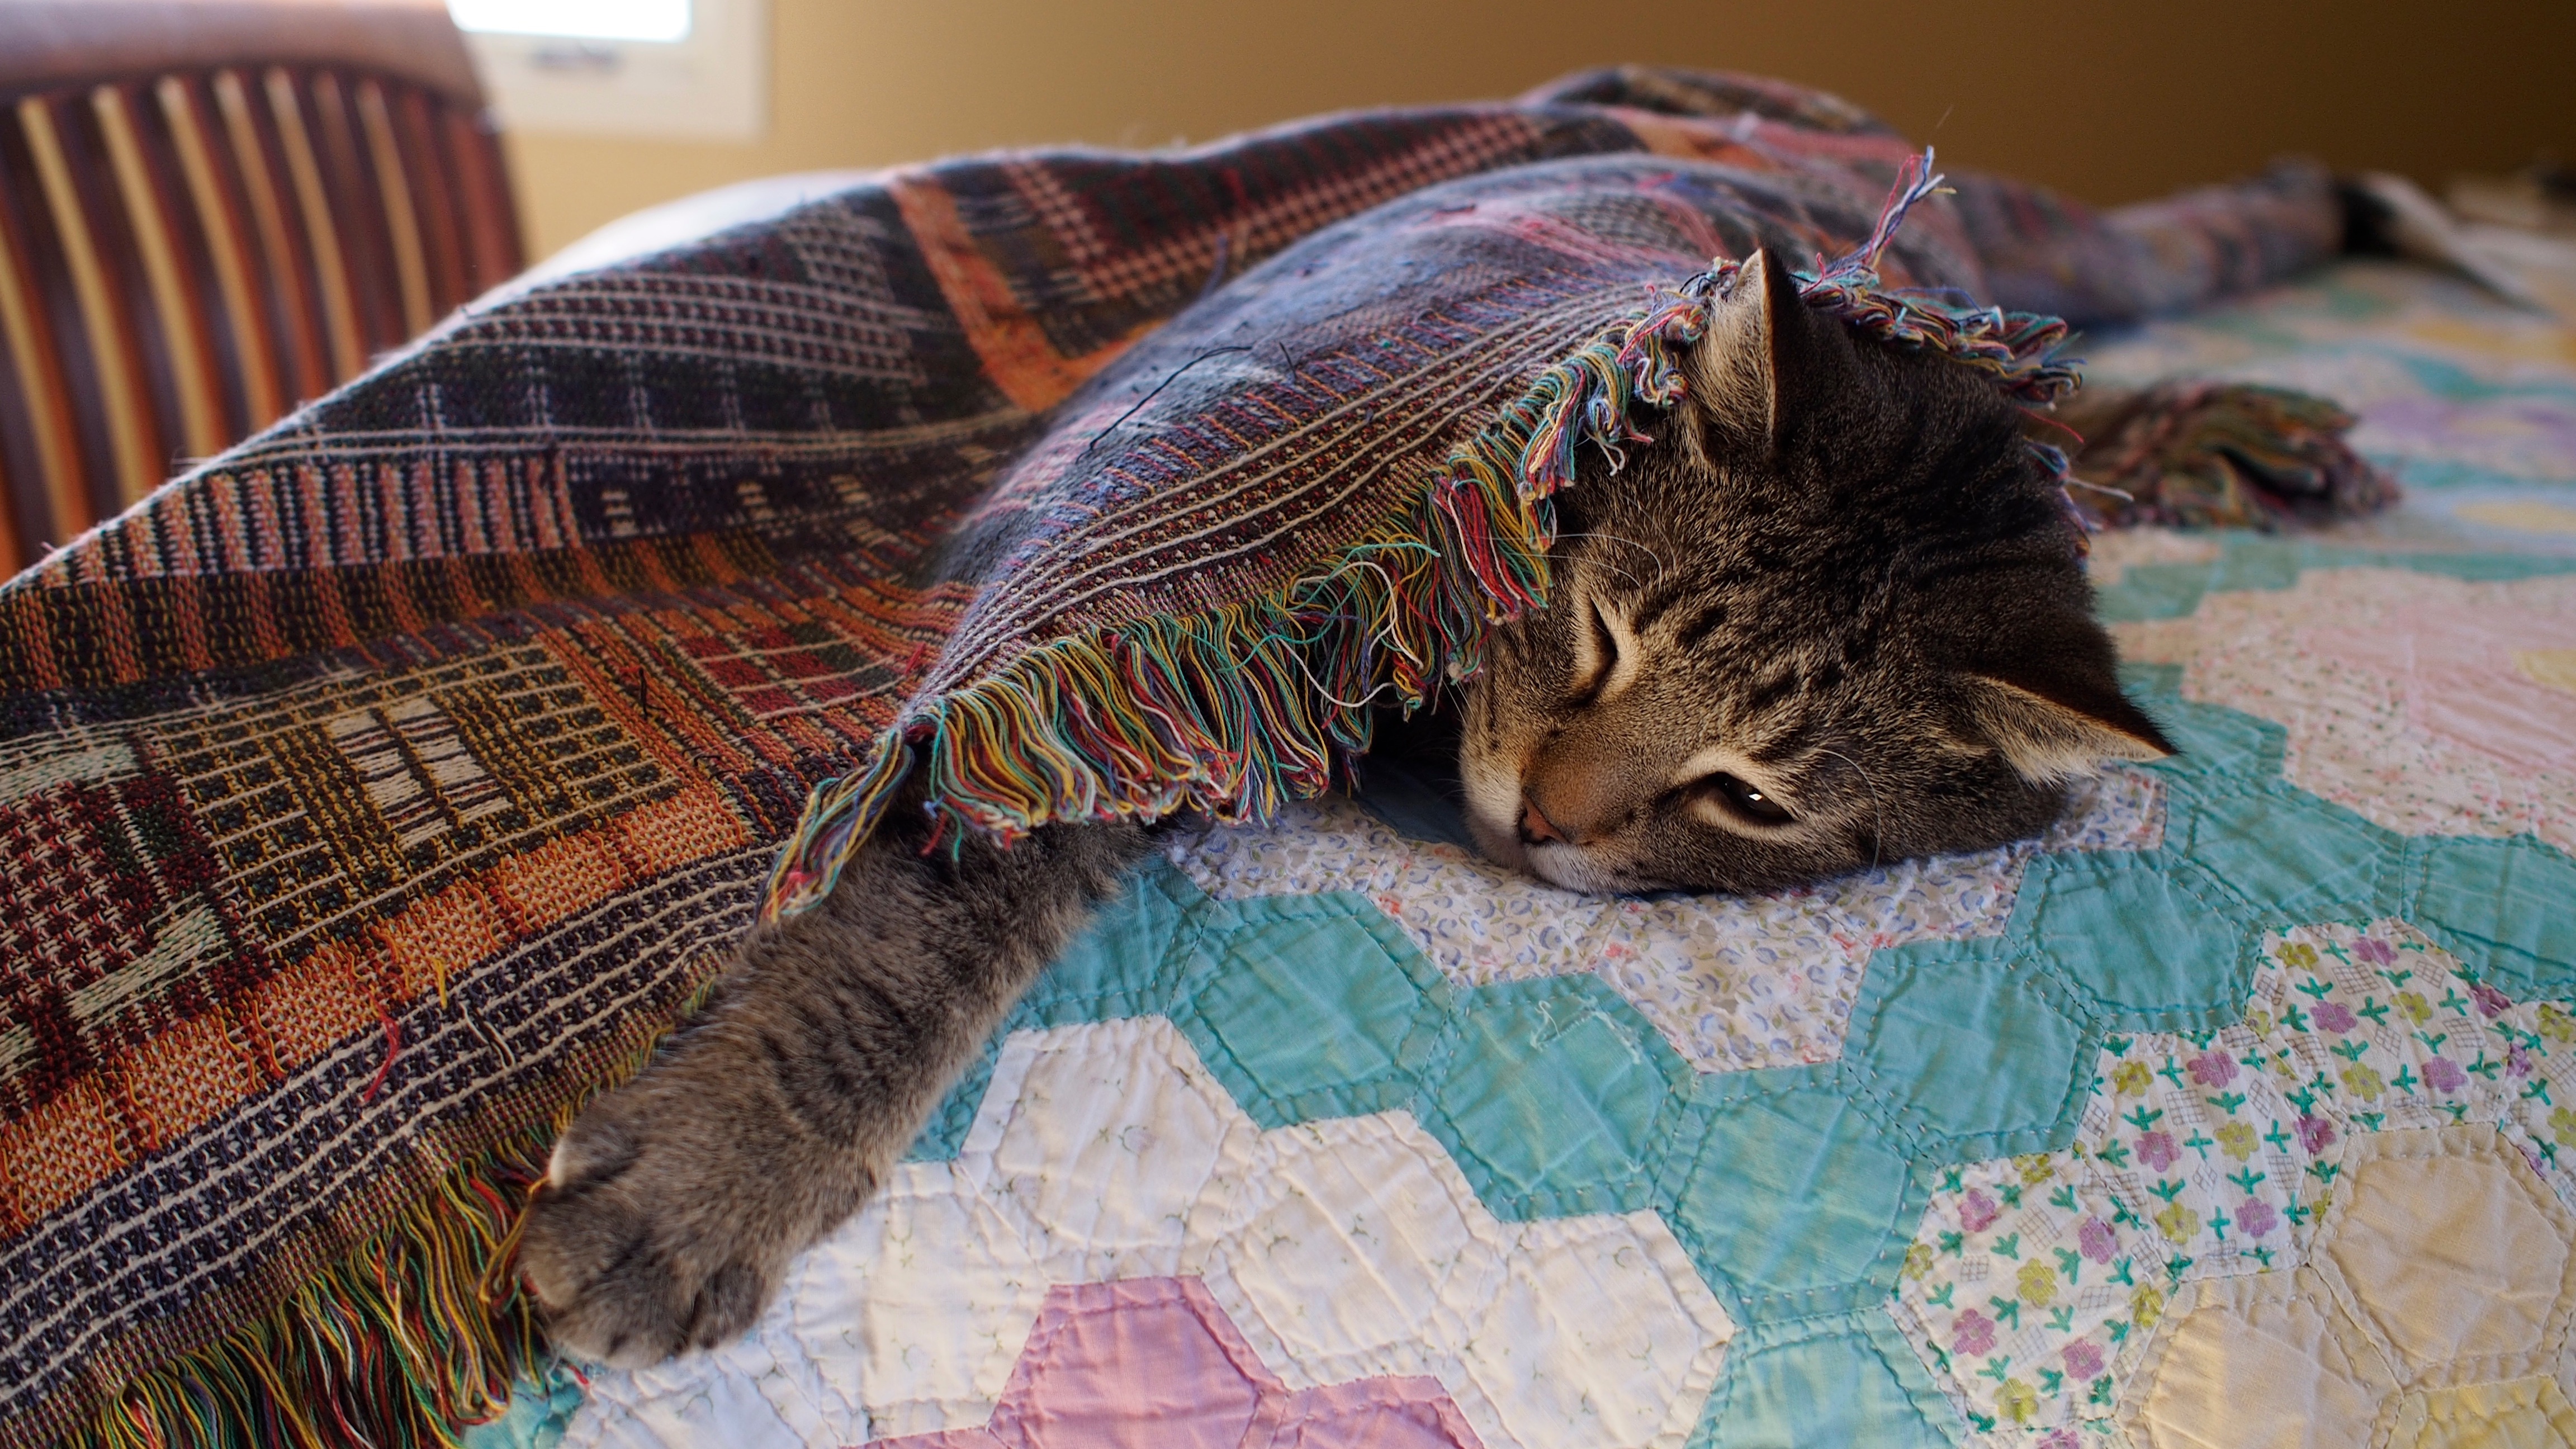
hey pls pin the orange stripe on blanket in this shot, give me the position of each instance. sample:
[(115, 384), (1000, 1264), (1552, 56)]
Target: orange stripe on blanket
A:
[(559, 879), (438, 938), (59, 1151), (689, 827), (184, 1078), (1012, 346), (309, 1006)]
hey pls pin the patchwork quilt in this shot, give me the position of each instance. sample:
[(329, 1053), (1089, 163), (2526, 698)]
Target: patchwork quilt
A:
[(2240, 1109)]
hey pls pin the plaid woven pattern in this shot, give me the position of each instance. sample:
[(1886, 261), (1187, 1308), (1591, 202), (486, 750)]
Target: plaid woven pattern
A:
[(368, 792)]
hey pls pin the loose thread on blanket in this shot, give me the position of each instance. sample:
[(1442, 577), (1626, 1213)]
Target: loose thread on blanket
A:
[(1216, 272), (1235, 710), (1173, 377), (2018, 351), (393, 1049), (500, 1276)]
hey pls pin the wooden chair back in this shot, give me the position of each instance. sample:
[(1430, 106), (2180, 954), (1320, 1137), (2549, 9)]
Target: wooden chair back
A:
[(210, 211)]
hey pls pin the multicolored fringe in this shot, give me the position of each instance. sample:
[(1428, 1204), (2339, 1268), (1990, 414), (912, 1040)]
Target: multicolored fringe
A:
[(1232, 711), (422, 1330), (2226, 455), (397, 1344), (2017, 349)]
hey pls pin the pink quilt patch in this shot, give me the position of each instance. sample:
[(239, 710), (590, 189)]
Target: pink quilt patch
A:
[(1154, 1363), (2452, 655), (2424, 703)]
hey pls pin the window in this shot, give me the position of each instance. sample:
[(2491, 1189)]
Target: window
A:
[(691, 68), (662, 20)]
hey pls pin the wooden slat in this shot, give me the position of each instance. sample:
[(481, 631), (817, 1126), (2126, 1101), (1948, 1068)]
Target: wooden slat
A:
[(297, 307), (49, 441), (23, 410), (55, 501), (122, 390), (254, 351), (186, 255), (191, 362), (350, 185), (321, 234), (192, 251), (434, 198), (120, 239), (492, 216), (402, 226)]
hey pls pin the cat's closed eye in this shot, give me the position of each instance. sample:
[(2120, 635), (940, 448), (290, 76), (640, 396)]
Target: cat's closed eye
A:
[(1602, 657)]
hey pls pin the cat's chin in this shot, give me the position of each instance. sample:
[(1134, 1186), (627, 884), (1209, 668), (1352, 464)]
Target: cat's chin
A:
[(1492, 809), (1499, 844), (1569, 868)]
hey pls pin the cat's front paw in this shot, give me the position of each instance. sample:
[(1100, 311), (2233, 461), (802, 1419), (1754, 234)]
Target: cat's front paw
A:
[(661, 1228)]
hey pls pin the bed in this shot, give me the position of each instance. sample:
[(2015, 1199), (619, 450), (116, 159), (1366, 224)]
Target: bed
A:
[(2241, 1108)]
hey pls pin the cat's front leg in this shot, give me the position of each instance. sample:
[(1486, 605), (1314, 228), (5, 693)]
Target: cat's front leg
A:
[(674, 1203)]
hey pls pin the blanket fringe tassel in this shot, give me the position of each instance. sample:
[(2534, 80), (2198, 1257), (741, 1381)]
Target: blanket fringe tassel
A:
[(418, 1333), (389, 1346), (2201, 454)]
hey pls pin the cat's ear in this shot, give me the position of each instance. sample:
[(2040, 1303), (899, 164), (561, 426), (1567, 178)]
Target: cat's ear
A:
[(2059, 729), (1764, 355)]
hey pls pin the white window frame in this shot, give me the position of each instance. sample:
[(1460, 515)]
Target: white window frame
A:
[(712, 85)]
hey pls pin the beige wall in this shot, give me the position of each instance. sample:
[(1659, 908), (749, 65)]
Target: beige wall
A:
[(2110, 99)]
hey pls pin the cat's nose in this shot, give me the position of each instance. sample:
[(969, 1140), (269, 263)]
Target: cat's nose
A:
[(1570, 795), (1535, 825)]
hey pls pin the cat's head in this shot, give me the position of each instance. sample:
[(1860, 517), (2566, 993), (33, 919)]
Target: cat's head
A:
[(1833, 616)]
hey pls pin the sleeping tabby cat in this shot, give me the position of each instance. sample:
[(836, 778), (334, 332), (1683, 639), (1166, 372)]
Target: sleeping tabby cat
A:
[(1833, 617)]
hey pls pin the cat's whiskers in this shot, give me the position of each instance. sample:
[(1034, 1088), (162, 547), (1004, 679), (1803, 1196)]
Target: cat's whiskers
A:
[(1877, 811), (1660, 561), (1662, 565)]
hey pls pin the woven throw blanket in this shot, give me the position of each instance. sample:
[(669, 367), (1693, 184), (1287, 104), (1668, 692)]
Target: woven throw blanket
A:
[(382, 786)]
